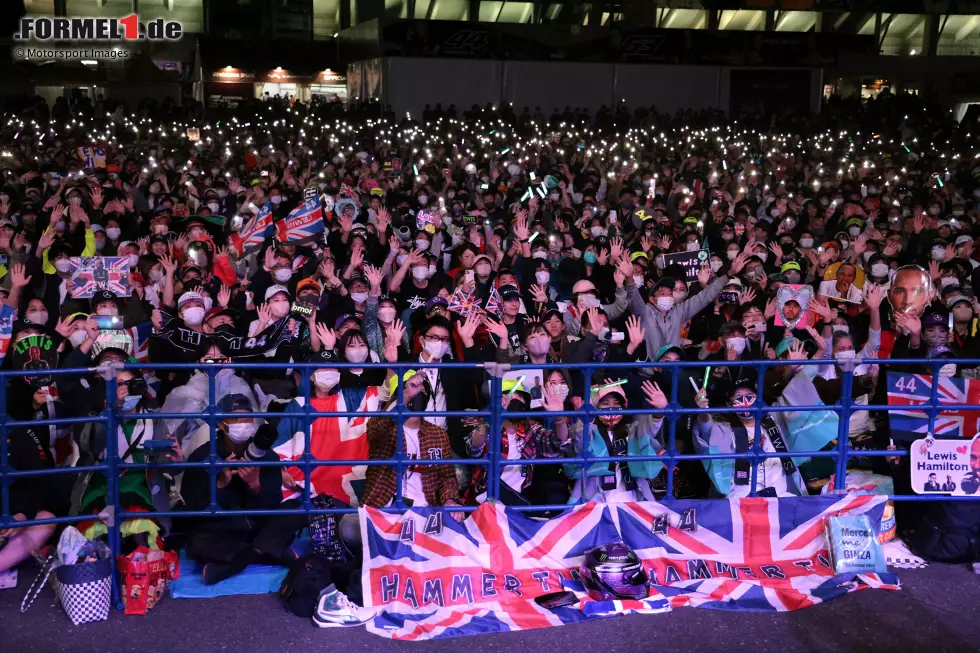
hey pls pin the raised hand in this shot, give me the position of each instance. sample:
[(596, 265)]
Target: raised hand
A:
[(265, 315), (874, 296), (737, 264), (467, 328), (551, 400), (394, 333), (521, 232), (635, 332), (616, 247), (797, 352), (603, 257), (934, 272), (328, 337), (654, 395), (776, 250), (748, 296), (592, 315), (18, 276), (384, 220), (539, 294), (46, 240), (664, 243), (375, 277), (498, 329), (224, 296), (704, 274), (169, 264)]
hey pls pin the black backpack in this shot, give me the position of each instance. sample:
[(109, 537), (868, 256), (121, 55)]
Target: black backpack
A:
[(949, 531), (303, 583)]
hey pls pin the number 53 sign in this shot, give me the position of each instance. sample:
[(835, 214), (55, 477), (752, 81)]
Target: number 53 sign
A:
[(952, 421)]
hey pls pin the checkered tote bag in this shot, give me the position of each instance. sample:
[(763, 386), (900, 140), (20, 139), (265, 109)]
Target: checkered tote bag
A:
[(85, 590)]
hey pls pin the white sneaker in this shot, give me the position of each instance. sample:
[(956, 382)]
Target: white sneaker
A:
[(333, 609)]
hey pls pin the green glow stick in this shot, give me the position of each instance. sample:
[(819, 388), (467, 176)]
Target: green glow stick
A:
[(707, 372), (608, 385), (517, 386)]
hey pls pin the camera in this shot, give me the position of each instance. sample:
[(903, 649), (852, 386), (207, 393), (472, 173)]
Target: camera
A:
[(261, 442)]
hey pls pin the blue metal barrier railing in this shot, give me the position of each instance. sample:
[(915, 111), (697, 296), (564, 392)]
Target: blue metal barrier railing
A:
[(113, 515)]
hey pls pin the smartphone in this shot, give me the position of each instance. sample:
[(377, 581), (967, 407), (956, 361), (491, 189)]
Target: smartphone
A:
[(730, 297), (105, 322), (554, 600), (617, 336), (470, 275)]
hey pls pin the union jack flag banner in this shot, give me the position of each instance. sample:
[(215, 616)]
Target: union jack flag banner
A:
[(91, 274), (493, 302), (433, 577), (303, 223), (915, 390), (462, 303), (254, 232)]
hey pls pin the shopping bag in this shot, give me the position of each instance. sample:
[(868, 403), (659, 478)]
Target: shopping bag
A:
[(86, 590), (145, 575)]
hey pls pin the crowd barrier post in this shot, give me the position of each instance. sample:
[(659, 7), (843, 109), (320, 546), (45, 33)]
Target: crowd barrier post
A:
[(844, 426), (113, 507)]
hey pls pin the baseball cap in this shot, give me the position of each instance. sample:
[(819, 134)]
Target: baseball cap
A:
[(956, 299), (509, 292), (666, 282), (190, 296), (308, 282), (347, 317), (600, 391), (235, 401), (666, 348), (790, 265), (934, 318), (271, 291), (436, 301)]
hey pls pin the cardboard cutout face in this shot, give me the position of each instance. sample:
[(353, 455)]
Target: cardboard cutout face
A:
[(911, 290), (792, 302)]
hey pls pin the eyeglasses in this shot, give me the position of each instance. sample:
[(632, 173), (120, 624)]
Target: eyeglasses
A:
[(436, 339)]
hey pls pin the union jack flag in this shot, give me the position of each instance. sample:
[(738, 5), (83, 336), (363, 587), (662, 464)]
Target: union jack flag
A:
[(346, 190), (493, 302), (303, 223), (432, 577), (254, 233), (331, 438), (463, 303), (908, 390), (91, 274)]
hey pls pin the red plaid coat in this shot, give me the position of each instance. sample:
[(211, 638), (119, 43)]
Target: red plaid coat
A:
[(438, 481)]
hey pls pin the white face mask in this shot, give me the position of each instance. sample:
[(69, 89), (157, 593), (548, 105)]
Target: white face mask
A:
[(241, 433), (938, 253), (728, 235), (665, 303), (38, 317), (542, 277), (762, 256), (359, 297), (113, 233), (279, 309), (638, 279), (422, 244), (806, 243), (77, 337), (326, 380), (879, 270), (847, 354), (401, 258), (423, 200), (276, 199), (436, 349), (193, 315), (715, 265), (854, 231), (598, 231), (386, 315), (282, 274), (420, 273), (214, 206), (357, 354), (731, 254), (62, 265), (736, 343), (133, 260), (693, 246), (948, 281)]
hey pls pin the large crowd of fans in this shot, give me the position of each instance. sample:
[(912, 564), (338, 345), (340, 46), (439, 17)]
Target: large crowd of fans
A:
[(492, 236)]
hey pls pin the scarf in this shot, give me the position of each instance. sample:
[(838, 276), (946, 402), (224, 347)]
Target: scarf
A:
[(743, 466), (616, 443)]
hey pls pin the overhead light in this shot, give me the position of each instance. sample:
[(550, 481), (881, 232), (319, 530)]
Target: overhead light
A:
[(228, 68), (89, 62), (912, 52), (279, 68)]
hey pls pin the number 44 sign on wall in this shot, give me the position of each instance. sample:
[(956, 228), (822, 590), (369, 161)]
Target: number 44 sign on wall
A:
[(952, 395)]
